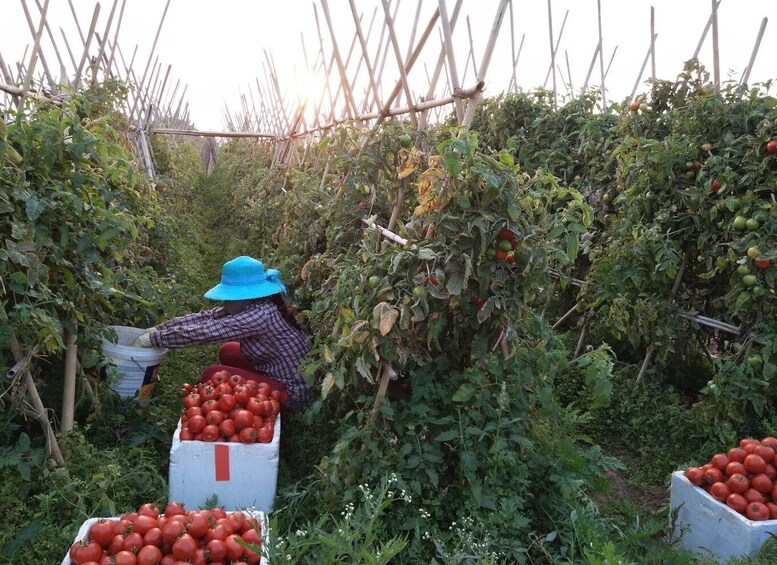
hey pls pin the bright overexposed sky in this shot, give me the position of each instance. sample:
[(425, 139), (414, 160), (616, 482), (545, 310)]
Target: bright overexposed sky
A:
[(219, 49)]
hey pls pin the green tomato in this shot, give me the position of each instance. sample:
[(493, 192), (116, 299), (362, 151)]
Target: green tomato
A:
[(740, 223), (419, 292), (758, 291), (752, 224), (753, 252), (405, 140), (743, 270), (749, 280), (505, 245), (374, 281), (490, 253), (755, 361)]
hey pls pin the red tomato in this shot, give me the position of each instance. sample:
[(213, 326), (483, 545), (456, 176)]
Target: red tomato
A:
[(208, 392), (761, 483), (771, 472), (235, 380), (757, 511), (217, 513), (735, 467), (186, 434), (193, 411), (171, 531), (772, 510), (243, 419), (149, 555), (250, 524), (191, 399), (254, 405), (738, 483), (217, 532), (208, 405), (774, 493), (263, 388), (185, 547), (122, 527), (86, 551), (133, 542), (144, 523), (771, 146), (102, 532), (174, 508), (712, 476), (770, 441), (149, 509), (248, 435), (737, 502), (736, 454), (755, 463), (197, 524), (168, 559), (153, 537), (752, 495), (234, 549), (124, 558), (720, 491), (217, 549), (765, 452), (745, 440), (116, 544), (243, 393), (257, 423), (196, 424), (210, 433), (227, 427), (276, 395), (750, 447), (264, 435), (694, 475), (234, 438), (214, 417), (227, 402), (720, 461), (229, 526)]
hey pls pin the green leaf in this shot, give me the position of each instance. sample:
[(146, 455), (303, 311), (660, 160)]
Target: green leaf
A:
[(447, 436), (464, 393), (26, 535)]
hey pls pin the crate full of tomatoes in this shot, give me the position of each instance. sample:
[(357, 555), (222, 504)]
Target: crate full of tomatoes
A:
[(173, 535), (728, 506), (229, 408), (227, 444)]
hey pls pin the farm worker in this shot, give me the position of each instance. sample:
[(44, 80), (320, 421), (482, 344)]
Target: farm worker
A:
[(262, 340)]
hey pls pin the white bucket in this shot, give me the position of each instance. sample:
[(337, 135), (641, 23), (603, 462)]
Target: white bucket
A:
[(138, 366)]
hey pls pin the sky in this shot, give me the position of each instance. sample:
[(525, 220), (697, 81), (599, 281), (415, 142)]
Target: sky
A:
[(219, 49)]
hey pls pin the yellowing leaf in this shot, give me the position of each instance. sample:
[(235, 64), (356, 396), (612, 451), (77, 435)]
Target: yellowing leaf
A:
[(387, 320), (326, 386)]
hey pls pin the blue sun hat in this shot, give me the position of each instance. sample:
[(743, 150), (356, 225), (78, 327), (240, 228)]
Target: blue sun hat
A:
[(244, 278)]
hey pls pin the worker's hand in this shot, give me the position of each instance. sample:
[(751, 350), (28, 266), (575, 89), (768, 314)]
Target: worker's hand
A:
[(143, 340)]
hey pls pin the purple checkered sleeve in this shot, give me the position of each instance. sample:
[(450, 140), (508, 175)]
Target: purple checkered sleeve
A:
[(273, 346)]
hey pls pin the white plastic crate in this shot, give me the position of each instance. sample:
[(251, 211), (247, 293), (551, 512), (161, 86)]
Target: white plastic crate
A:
[(712, 529), (83, 531), (241, 475)]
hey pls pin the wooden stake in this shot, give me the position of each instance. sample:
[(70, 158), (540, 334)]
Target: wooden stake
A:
[(78, 25), (101, 48), (350, 102), (555, 46), (116, 34), (704, 33), (63, 72), (365, 54), (513, 86), (642, 68), (151, 54), (552, 56), (746, 74), (387, 373), (565, 317)]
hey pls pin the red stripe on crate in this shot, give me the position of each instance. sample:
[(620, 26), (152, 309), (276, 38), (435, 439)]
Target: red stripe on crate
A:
[(222, 462)]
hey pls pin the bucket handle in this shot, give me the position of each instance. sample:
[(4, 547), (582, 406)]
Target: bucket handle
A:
[(141, 367)]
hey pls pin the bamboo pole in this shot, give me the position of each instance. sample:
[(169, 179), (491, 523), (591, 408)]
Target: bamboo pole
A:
[(472, 46), (715, 47), (87, 44), (398, 55), (150, 55), (116, 34), (387, 373), (78, 25), (746, 74), (555, 45), (513, 77), (69, 391), (704, 33), (513, 86), (365, 54), (208, 133), (62, 70), (552, 56), (69, 51), (472, 104), (101, 48), (44, 64), (34, 54), (601, 55), (350, 102), (642, 68), (454, 76), (653, 45)]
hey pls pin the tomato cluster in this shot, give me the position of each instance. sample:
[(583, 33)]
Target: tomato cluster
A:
[(744, 478), (230, 408), (151, 537), (506, 241)]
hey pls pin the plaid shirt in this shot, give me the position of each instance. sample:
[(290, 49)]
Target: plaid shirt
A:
[(273, 346)]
